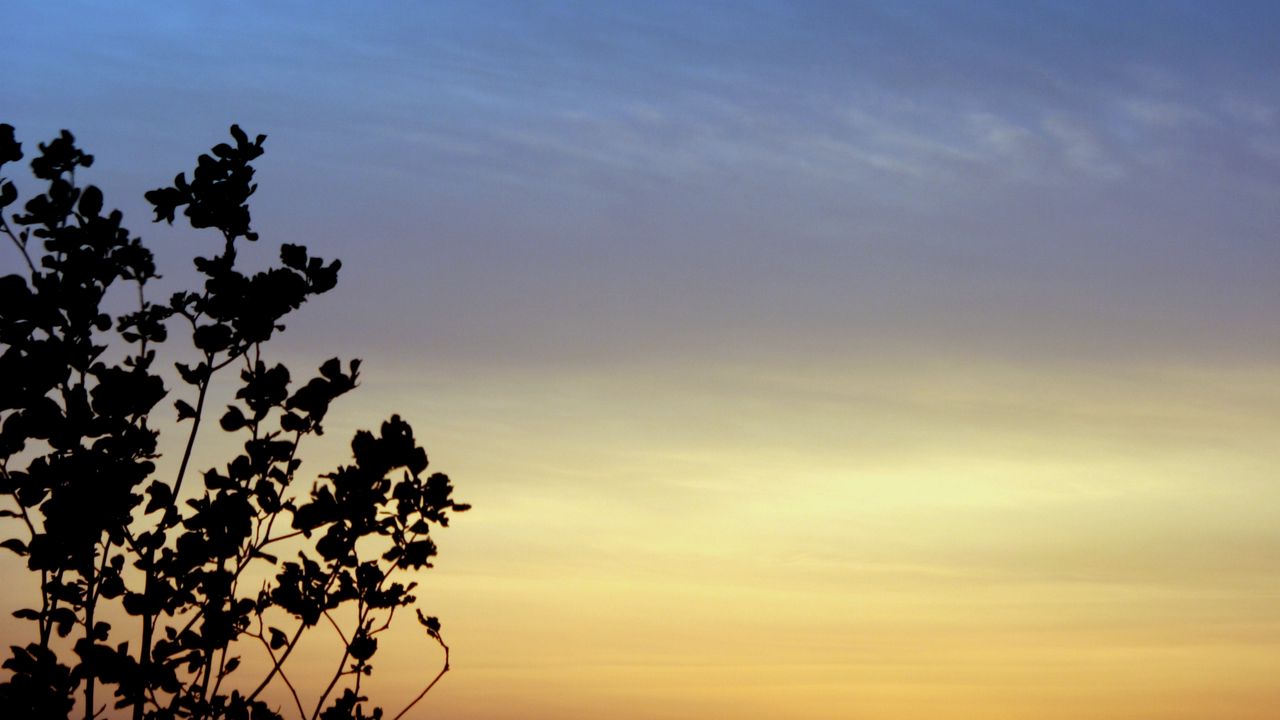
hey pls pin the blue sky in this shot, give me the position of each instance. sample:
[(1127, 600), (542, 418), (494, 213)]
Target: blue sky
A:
[(834, 172)]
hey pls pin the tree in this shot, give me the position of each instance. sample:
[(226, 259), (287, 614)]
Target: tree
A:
[(111, 541)]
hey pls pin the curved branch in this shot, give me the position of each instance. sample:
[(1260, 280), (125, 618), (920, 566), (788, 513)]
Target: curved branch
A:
[(430, 685), (18, 243), (297, 701), (195, 428), (293, 642), (276, 666), (336, 629), (361, 614)]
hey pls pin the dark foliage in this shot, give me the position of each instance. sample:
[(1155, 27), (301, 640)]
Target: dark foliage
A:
[(110, 540)]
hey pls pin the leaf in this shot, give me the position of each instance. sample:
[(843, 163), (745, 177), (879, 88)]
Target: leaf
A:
[(193, 375), (233, 419), (112, 586), (362, 646), (185, 411), (161, 497), (331, 369), (278, 638), (91, 202), (64, 619), (292, 422), (431, 623), (18, 547), (293, 256), (267, 496), (10, 148), (212, 338)]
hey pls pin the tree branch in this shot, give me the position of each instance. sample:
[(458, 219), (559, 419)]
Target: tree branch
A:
[(18, 244), (297, 702), (433, 682)]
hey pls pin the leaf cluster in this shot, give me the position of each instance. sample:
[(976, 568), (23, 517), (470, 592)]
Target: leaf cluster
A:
[(108, 537)]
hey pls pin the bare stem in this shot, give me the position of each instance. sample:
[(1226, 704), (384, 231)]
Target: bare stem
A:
[(277, 664), (297, 701), (18, 244), (361, 615), (433, 682), (195, 428), (336, 629)]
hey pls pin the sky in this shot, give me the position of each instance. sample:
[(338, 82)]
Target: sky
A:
[(811, 360)]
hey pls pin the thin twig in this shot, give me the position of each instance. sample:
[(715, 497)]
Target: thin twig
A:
[(297, 701), (195, 428), (361, 614), (333, 574), (430, 685), (18, 243), (337, 629), (278, 538), (386, 624)]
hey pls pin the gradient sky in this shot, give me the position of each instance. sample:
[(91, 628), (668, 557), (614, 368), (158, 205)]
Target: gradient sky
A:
[(802, 360)]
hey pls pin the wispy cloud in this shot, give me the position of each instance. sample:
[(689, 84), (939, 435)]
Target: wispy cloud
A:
[(1080, 147)]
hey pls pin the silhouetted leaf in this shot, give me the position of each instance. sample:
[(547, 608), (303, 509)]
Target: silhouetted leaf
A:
[(15, 545), (161, 497), (362, 646), (91, 202), (233, 419), (278, 638)]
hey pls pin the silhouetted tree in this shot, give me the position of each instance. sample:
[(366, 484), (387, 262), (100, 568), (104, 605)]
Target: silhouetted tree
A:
[(195, 572)]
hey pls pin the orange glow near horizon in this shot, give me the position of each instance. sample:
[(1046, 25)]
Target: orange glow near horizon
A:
[(893, 543), (897, 544)]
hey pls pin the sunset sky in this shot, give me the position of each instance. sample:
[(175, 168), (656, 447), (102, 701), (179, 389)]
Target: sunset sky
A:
[(804, 360)]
